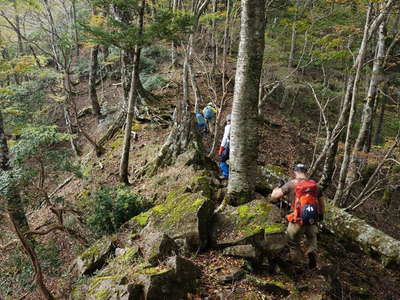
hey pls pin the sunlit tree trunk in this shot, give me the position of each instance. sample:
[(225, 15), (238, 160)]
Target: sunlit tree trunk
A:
[(245, 122), (123, 169), (94, 64)]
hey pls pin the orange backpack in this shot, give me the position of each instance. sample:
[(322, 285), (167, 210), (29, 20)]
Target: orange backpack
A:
[(305, 206)]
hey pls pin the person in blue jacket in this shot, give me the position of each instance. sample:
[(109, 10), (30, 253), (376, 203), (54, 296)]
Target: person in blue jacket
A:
[(224, 149)]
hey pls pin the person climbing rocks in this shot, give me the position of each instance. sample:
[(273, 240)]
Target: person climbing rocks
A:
[(223, 151), (201, 122), (306, 211), (209, 113)]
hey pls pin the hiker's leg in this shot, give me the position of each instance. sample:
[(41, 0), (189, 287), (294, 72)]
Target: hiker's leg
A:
[(294, 233), (224, 169), (311, 232)]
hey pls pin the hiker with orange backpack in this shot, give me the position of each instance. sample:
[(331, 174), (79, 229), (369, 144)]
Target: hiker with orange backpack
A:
[(306, 211)]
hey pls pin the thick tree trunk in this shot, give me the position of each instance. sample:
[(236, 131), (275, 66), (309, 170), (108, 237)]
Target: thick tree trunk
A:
[(369, 239), (244, 130), (123, 168), (94, 64)]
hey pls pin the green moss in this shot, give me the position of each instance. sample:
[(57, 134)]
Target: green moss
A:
[(154, 271), (176, 207), (97, 280), (253, 219), (103, 294), (276, 170), (143, 218), (136, 126), (117, 143), (274, 228), (87, 170), (92, 252)]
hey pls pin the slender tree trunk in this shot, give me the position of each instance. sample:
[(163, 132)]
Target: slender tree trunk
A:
[(225, 42), (196, 90), (245, 122), (345, 107), (345, 163), (123, 169), (214, 47), (39, 280), (94, 64), (294, 37), (378, 134), (76, 34), (366, 119), (173, 46)]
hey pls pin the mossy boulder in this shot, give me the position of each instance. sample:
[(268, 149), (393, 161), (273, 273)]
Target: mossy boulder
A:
[(369, 239), (182, 215), (268, 178), (249, 223), (95, 256), (157, 246), (177, 277)]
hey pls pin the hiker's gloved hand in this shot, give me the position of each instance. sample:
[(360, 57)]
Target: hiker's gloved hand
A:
[(221, 149)]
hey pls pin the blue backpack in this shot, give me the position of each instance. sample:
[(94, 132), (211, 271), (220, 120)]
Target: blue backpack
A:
[(200, 120), (208, 113)]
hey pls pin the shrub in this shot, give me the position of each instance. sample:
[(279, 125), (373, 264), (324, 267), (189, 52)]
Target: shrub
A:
[(153, 82), (113, 206)]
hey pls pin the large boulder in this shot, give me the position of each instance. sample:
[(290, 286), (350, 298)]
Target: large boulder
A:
[(157, 246), (183, 216), (173, 280), (251, 223), (94, 257)]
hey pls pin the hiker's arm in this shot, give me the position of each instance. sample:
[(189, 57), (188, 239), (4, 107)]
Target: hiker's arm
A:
[(277, 193)]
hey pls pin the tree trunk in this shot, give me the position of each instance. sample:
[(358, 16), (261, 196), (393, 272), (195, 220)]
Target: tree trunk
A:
[(345, 163), (366, 119), (378, 134), (94, 64), (244, 130), (123, 169), (39, 280)]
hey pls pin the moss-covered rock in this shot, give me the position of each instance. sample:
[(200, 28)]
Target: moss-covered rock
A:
[(95, 256), (269, 177), (182, 215), (242, 224), (141, 281), (157, 246)]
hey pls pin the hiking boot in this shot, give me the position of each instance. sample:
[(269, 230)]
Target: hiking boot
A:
[(312, 260)]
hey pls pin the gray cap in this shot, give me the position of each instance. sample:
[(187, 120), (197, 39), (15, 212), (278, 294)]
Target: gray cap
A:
[(228, 117), (300, 168)]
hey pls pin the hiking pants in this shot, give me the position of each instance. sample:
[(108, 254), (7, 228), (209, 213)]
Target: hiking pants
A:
[(224, 167), (295, 232)]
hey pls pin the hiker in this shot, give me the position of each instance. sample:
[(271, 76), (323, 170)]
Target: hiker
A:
[(201, 122), (224, 149), (209, 113), (306, 211)]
